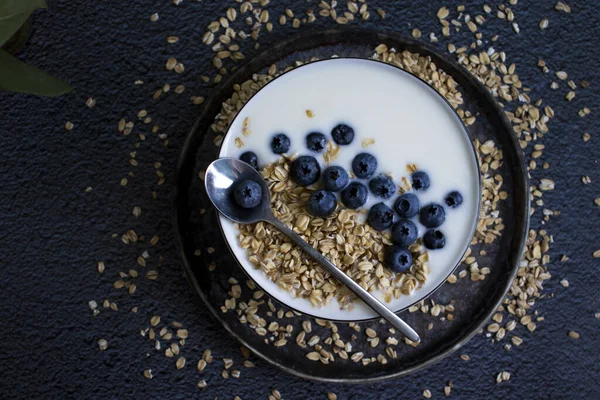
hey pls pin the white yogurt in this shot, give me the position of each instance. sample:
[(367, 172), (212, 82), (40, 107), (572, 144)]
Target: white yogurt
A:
[(409, 122)]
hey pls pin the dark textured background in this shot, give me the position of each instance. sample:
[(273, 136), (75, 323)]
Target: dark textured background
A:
[(53, 232)]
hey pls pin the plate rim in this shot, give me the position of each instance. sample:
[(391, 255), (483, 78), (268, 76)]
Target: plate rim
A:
[(410, 44)]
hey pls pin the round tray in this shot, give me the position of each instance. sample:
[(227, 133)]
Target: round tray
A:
[(209, 272)]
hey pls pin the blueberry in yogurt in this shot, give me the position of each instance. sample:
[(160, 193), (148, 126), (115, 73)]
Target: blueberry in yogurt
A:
[(420, 180), (247, 193), (280, 143), (434, 239), (316, 142), (407, 205), (382, 186), (342, 134), (404, 232), (364, 165), (380, 217), (305, 170), (453, 199), (355, 195), (250, 158), (321, 203), (398, 258), (335, 178), (432, 215)]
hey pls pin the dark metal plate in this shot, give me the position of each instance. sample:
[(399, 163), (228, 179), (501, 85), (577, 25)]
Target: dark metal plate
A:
[(474, 302)]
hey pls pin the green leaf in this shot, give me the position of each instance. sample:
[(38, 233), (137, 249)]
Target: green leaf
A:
[(13, 13), (10, 8), (16, 76), (9, 26)]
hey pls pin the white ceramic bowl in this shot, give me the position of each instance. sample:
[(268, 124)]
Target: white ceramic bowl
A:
[(409, 121)]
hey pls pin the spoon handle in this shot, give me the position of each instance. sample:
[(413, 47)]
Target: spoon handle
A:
[(361, 293)]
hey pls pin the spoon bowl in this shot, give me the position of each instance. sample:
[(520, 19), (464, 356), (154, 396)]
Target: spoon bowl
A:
[(219, 179)]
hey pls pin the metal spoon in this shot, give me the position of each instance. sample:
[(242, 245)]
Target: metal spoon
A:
[(224, 172)]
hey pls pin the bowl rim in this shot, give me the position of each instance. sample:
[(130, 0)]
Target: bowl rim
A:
[(464, 132), (336, 35)]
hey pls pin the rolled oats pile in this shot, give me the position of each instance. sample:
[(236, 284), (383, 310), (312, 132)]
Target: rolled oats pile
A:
[(352, 245)]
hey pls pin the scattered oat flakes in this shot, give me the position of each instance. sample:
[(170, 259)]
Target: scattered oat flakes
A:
[(560, 6), (367, 142), (447, 390), (102, 344), (546, 184), (584, 112), (182, 333), (136, 211), (562, 75), (443, 13), (570, 96), (503, 376), (573, 335), (171, 62)]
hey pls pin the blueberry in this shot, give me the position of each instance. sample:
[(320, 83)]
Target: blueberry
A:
[(404, 232), (247, 194), (382, 186), (434, 239), (305, 170), (407, 205), (380, 217), (454, 199), (364, 165), (355, 195), (342, 134), (321, 203), (250, 158), (316, 142), (398, 258), (335, 179), (420, 180), (280, 143), (432, 215)]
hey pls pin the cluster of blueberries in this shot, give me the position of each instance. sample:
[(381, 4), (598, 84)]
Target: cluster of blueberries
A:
[(305, 171)]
